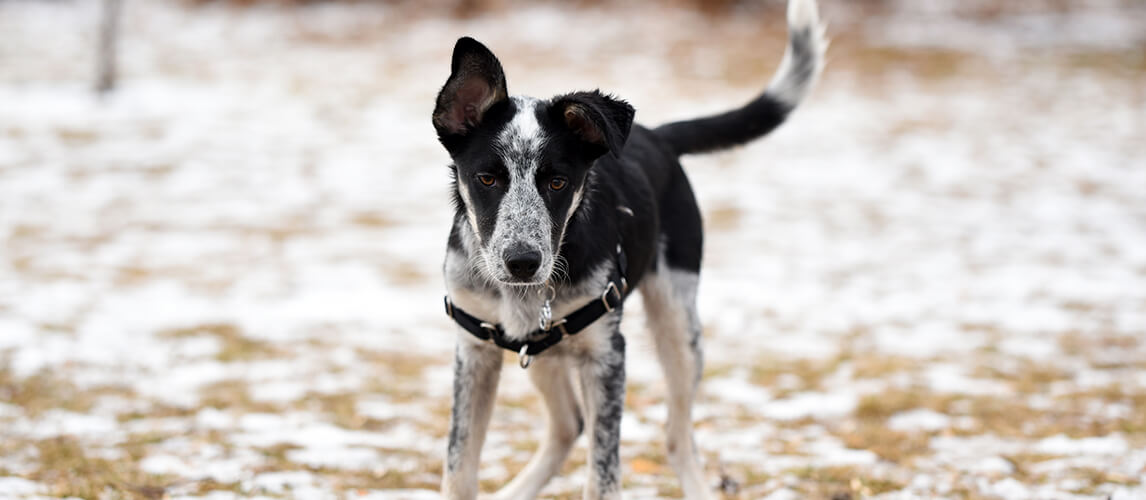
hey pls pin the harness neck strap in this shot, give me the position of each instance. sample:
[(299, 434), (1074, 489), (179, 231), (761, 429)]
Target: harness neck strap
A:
[(541, 339)]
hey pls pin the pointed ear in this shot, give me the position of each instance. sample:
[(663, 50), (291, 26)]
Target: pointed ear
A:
[(600, 121), (476, 83)]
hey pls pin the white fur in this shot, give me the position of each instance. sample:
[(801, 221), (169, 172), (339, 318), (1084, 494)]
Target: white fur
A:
[(522, 217), (790, 85), (464, 191), (670, 303), (524, 127)]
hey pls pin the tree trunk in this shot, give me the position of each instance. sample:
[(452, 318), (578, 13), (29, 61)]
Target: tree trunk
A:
[(106, 58)]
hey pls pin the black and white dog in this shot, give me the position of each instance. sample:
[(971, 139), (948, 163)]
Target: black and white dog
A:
[(563, 207)]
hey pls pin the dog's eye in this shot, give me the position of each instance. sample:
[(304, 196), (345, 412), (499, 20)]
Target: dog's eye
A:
[(558, 183), (487, 179)]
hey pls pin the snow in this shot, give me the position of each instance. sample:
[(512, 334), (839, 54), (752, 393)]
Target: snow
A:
[(814, 405), (919, 420), (19, 486), (336, 457), (1113, 444)]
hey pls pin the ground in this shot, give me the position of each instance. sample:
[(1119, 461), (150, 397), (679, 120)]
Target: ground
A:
[(223, 279)]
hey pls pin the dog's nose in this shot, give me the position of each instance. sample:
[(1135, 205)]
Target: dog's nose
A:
[(522, 262)]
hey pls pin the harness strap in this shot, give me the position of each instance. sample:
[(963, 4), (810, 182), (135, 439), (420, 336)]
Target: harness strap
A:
[(541, 339)]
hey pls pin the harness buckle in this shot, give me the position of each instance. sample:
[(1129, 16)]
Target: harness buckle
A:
[(491, 330), (560, 325), (605, 295), (524, 359)]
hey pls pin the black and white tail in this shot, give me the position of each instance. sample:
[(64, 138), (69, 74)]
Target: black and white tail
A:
[(801, 66)]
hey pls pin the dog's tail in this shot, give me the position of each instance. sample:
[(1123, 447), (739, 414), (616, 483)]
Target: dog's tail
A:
[(801, 66)]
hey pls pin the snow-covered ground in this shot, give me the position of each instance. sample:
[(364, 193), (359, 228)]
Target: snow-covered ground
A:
[(223, 279)]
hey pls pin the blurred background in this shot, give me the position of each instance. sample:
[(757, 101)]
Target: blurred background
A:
[(222, 240)]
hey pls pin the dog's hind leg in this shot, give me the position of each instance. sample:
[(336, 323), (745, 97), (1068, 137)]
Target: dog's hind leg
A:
[(477, 368), (550, 375), (670, 303)]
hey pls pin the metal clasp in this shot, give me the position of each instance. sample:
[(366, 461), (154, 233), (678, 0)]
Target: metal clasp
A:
[(491, 330), (605, 295), (546, 317), (524, 359)]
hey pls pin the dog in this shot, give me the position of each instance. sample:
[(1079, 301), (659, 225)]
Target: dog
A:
[(563, 207)]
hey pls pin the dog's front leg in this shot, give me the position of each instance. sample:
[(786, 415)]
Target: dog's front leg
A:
[(603, 389), (477, 368)]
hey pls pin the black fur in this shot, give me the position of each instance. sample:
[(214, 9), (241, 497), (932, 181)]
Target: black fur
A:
[(751, 121), (610, 374)]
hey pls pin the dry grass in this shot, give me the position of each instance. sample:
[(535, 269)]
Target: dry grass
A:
[(842, 482), (340, 408), (44, 391), (234, 346), (721, 218), (233, 395), (786, 376), (893, 446), (68, 471)]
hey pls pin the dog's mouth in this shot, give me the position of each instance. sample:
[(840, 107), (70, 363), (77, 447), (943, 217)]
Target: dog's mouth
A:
[(521, 284)]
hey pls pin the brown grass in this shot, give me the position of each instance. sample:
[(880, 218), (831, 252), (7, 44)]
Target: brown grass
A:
[(68, 472), (44, 391), (893, 446), (808, 373), (836, 482), (724, 217), (233, 395), (235, 347)]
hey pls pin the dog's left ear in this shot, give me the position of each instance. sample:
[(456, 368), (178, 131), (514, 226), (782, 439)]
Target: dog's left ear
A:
[(602, 122)]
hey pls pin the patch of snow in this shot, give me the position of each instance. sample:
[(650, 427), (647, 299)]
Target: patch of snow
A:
[(952, 379), (336, 457), (919, 420), (736, 390), (990, 466), (1112, 444), (280, 483), (20, 486), (55, 423), (830, 452), (811, 404)]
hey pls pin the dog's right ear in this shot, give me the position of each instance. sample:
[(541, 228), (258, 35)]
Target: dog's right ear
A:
[(476, 83)]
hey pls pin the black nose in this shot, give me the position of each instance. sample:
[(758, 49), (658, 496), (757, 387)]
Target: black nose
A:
[(522, 262)]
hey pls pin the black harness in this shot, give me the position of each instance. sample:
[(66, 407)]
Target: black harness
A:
[(553, 331)]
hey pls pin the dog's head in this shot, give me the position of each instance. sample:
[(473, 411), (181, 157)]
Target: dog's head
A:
[(520, 164)]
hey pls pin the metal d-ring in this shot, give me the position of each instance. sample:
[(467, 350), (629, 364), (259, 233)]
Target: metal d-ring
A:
[(524, 359), (545, 318)]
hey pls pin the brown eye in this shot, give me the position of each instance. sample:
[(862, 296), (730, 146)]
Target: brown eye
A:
[(557, 183), (486, 179)]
